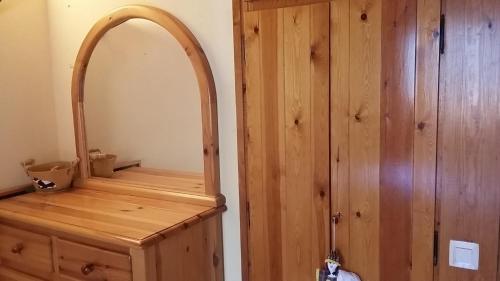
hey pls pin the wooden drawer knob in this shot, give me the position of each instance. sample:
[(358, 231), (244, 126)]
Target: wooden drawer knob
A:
[(18, 248), (88, 268)]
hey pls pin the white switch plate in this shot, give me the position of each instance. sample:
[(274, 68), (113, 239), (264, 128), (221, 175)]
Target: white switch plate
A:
[(464, 255)]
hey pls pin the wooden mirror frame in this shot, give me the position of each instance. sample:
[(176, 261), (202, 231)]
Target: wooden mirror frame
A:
[(203, 73)]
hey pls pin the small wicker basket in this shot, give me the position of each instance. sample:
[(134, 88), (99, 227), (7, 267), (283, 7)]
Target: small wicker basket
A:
[(50, 177), (101, 165)]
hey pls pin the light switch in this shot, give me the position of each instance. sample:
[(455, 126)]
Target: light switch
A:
[(464, 255)]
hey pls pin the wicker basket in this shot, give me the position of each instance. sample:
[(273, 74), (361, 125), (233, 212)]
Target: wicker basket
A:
[(101, 165), (50, 177)]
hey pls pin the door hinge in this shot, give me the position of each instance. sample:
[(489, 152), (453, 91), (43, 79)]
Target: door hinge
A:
[(243, 52), (442, 32), (436, 248), (248, 214)]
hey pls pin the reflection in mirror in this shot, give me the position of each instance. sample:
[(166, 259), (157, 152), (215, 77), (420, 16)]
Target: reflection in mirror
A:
[(142, 108)]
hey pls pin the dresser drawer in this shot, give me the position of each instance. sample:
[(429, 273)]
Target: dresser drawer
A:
[(26, 251), (7, 274), (81, 262)]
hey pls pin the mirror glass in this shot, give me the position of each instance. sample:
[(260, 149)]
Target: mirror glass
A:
[(142, 108)]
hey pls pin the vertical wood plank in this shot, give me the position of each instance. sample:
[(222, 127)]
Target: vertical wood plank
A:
[(425, 139), (264, 80), (298, 143), (469, 130), (144, 264), (254, 146), (240, 88), (271, 80), (320, 111), (340, 88), (364, 137), (397, 119)]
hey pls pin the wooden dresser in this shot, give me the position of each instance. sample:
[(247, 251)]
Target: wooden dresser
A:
[(91, 234), (141, 224)]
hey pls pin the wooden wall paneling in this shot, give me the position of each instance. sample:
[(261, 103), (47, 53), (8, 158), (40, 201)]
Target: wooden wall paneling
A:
[(263, 33), (364, 137), (287, 150), (396, 121), (253, 5), (339, 97), (425, 139), (469, 130), (320, 120)]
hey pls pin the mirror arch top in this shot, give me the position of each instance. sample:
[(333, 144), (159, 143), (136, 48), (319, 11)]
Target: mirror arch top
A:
[(201, 68)]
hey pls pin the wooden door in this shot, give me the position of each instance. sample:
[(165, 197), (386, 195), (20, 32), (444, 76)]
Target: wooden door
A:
[(469, 136), (286, 103)]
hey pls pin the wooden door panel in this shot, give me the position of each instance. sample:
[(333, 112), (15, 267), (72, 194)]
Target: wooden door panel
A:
[(469, 134), (287, 155), (376, 146)]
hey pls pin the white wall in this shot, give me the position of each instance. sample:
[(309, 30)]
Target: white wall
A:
[(142, 100), (211, 23), (27, 119)]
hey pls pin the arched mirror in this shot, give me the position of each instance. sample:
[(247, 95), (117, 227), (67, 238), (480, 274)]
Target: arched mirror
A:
[(144, 106)]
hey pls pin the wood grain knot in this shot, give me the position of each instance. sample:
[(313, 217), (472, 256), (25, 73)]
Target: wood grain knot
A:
[(297, 122), (205, 151), (313, 54), (421, 126), (322, 194), (187, 249), (256, 29), (217, 151), (364, 17), (490, 25), (435, 34), (215, 260), (357, 117), (358, 214)]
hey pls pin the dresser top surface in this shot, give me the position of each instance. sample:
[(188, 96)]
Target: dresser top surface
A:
[(110, 217)]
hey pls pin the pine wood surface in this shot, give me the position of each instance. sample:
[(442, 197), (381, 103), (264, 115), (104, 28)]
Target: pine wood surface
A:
[(253, 5), (159, 179), (468, 137), (425, 139), (103, 216), (287, 124), (7, 274), (103, 265)]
